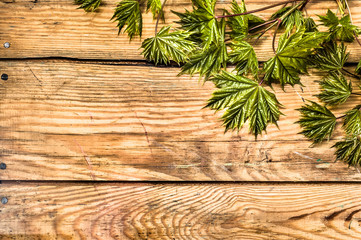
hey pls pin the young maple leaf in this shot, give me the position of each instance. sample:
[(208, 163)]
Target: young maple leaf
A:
[(317, 122), (244, 56), (335, 89), (291, 57), (155, 6), (352, 123), (240, 24), (331, 57), (88, 5), (310, 25), (128, 13), (340, 29), (166, 46), (294, 20), (349, 150), (202, 23), (244, 99)]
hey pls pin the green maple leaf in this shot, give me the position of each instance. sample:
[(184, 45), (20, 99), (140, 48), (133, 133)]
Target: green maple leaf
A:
[(335, 89), (166, 46), (206, 62), (317, 122), (240, 24), (310, 25), (128, 13), (244, 100), (294, 20), (349, 150), (358, 68), (291, 58), (88, 5), (244, 56), (331, 57), (352, 123), (340, 29), (155, 6), (205, 28)]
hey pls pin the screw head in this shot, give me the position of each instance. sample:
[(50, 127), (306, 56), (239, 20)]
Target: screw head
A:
[(6, 45), (4, 76), (4, 200), (2, 165)]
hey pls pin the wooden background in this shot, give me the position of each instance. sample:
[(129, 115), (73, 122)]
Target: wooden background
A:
[(99, 144)]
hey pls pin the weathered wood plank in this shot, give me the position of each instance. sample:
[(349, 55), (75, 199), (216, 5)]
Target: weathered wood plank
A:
[(180, 211), (56, 28), (63, 120)]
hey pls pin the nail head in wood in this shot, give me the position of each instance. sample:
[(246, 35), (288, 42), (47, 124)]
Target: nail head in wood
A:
[(4, 200), (2, 166), (6, 45), (4, 76)]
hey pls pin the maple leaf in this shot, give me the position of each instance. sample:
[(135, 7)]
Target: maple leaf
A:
[(294, 20), (155, 6), (349, 150), (335, 89), (244, 56), (166, 46), (88, 5), (128, 13), (340, 29), (331, 57), (317, 122), (244, 99), (352, 123), (291, 58), (240, 24)]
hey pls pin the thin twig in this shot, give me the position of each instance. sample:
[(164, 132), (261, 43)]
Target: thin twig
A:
[(160, 13), (257, 10), (263, 24), (275, 34), (350, 73)]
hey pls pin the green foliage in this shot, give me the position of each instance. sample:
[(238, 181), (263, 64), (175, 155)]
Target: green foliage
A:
[(331, 57), (88, 5), (206, 62), (244, 99), (310, 25), (240, 24), (349, 150), (317, 122), (352, 124), (340, 29), (335, 89), (166, 46), (358, 68), (155, 6), (128, 13), (291, 58), (292, 21), (244, 56)]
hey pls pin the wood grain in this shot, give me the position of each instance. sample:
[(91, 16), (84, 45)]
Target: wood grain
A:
[(48, 28), (180, 211), (65, 120)]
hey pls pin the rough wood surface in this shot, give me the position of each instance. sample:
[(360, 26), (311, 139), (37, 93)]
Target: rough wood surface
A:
[(64, 120), (180, 211), (47, 28)]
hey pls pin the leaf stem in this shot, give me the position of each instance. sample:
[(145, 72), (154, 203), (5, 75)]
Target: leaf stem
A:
[(350, 73), (342, 116), (279, 21), (257, 10), (160, 13), (263, 24), (359, 94)]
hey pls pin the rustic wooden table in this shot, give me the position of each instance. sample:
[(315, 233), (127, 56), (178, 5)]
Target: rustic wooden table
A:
[(94, 147)]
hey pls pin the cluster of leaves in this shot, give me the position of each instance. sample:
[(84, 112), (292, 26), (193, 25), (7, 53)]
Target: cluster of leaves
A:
[(204, 43)]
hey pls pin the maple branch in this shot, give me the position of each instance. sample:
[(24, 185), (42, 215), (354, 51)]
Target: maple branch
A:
[(160, 12), (257, 10), (350, 73)]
